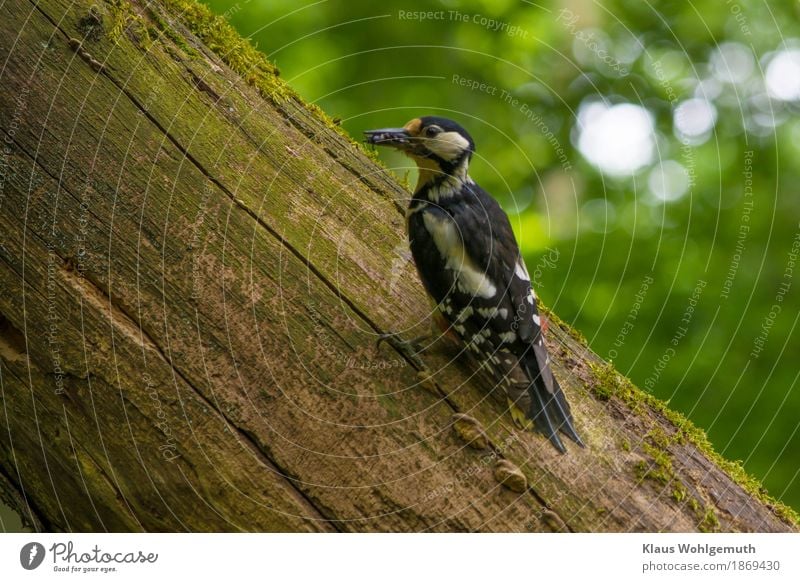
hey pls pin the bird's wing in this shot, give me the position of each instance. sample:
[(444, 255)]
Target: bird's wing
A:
[(497, 256), (512, 315)]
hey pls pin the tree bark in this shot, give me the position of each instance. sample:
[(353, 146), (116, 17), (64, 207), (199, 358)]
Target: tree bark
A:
[(195, 266)]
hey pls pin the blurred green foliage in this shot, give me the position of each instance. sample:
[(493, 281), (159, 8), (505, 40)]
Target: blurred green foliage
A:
[(672, 251)]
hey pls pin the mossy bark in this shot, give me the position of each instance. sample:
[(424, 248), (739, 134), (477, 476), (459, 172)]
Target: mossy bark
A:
[(195, 266)]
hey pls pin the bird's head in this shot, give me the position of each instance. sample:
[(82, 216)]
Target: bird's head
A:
[(440, 147)]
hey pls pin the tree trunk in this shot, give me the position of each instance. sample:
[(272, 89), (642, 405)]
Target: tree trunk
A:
[(195, 266)]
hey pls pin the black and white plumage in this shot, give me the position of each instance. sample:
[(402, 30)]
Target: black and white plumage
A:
[(469, 261)]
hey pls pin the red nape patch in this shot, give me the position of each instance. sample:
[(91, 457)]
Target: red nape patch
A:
[(445, 327)]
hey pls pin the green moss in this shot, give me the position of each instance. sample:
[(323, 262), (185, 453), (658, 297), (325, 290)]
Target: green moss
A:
[(710, 522), (679, 492), (166, 30), (625, 445), (689, 432), (219, 36), (241, 56), (612, 383), (372, 154), (602, 392), (91, 25), (659, 438), (120, 14), (659, 468), (660, 457), (122, 18)]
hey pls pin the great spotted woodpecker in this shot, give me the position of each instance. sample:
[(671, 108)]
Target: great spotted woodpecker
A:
[(470, 264)]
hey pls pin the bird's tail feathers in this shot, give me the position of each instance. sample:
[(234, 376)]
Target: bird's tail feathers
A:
[(548, 409)]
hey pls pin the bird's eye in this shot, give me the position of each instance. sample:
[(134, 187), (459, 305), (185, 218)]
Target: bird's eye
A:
[(432, 131)]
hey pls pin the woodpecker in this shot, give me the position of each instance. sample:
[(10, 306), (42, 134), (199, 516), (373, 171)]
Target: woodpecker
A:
[(470, 264)]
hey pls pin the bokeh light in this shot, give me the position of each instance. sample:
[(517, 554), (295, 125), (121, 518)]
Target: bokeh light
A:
[(783, 75), (618, 139)]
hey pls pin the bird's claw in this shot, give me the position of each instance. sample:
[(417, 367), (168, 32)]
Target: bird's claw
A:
[(518, 416), (410, 349)]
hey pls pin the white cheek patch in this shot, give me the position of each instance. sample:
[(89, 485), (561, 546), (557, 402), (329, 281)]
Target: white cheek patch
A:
[(448, 145), (470, 279)]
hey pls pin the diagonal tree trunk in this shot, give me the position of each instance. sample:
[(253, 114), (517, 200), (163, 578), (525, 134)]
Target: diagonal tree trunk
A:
[(194, 268)]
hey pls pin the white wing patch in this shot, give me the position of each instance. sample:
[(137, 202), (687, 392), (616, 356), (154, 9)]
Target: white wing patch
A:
[(470, 279), (490, 312), (477, 339), (507, 337), (464, 314)]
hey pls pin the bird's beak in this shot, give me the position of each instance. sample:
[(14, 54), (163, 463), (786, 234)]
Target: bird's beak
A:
[(396, 137)]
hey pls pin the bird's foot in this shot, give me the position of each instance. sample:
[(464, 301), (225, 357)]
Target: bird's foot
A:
[(518, 416), (410, 349)]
